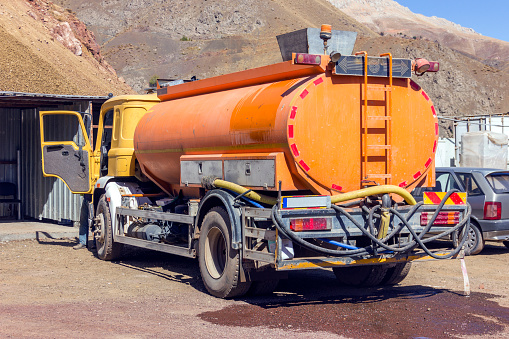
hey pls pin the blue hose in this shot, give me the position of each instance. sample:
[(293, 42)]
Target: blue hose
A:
[(339, 244), (252, 202)]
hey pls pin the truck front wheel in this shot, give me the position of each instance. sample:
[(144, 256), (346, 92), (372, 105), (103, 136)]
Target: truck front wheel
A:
[(219, 262), (103, 233)]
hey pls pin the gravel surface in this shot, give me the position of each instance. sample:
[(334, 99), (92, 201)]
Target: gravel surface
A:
[(48, 290)]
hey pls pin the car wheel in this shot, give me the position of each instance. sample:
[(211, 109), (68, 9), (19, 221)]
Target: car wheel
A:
[(475, 242)]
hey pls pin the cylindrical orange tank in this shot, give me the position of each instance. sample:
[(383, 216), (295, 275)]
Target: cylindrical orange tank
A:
[(317, 121)]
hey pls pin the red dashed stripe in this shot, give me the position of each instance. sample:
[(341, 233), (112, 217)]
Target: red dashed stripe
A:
[(436, 128), (295, 151), (403, 184), (428, 163), (435, 147), (416, 175), (435, 199), (414, 85), (425, 95), (433, 110), (290, 131), (318, 81), (304, 93), (336, 187), (304, 165), (293, 112)]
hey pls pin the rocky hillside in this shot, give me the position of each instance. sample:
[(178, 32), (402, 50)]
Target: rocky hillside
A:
[(144, 38), (46, 49)]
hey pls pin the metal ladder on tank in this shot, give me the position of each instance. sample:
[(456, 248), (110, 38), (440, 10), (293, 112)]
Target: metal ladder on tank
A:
[(366, 177)]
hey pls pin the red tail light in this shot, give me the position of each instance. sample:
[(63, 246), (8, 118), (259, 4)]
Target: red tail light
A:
[(443, 218), (307, 59), (310, 224), (492, 210)]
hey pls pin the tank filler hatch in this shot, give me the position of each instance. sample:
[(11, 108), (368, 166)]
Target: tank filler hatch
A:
[(308, 41)]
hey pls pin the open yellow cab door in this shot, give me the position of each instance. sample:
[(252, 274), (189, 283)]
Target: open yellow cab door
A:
[(66, 149)]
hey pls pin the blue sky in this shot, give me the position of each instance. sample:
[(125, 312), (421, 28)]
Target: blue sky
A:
[(488, 17)]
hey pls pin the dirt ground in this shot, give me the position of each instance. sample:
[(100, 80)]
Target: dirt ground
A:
[(48, 290)]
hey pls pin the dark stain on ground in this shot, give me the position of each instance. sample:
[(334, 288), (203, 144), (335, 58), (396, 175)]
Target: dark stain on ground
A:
[(398, 312)]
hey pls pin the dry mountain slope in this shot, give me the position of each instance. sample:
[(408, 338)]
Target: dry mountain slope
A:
[(143, 38), (39, 53)]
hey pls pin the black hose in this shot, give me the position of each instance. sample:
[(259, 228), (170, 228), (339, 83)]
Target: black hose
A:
[(288, 234), (410, 245)]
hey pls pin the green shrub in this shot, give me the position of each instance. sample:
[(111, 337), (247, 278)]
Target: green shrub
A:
[(153, 81)]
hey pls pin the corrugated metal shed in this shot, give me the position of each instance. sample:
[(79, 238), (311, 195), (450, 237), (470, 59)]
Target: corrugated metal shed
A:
[(42, 198)]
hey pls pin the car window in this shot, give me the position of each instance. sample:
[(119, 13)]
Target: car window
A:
[(468, 181), (499, 182), (444, 182)]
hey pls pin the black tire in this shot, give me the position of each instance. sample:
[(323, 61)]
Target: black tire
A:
[(106, 248), (219, 262), (365, 276), (396, 274), (474, 243), (263, 287), (506, 243)]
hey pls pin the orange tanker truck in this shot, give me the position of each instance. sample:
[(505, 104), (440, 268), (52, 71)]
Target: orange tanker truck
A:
[(299, 165)]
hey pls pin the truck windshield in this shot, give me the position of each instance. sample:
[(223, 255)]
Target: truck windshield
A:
[(499, 182)]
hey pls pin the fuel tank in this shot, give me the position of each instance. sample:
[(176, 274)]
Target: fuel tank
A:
[(331, 133)]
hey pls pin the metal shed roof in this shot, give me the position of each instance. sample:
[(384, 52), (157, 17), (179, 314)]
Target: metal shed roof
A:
[(33, 100)]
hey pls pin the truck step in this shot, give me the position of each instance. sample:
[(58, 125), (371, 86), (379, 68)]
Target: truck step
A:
[(374, 117), (379, 146), (378, 176)]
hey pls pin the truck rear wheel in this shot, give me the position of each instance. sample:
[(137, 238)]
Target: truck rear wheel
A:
[(369, 275), (219, 262), (106, 248), (263, 287), (396, 274)]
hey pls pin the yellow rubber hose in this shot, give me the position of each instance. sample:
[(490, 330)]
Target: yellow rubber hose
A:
[(239, 189), (375, 190)]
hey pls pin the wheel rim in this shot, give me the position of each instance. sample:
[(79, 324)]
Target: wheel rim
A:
[(471, 241), (99, 230), (215, 253)]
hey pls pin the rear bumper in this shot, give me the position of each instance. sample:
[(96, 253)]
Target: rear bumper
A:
[(311, 263), (492, 228), (501, 235)]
